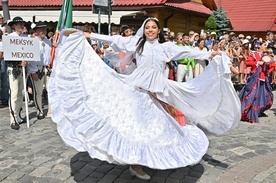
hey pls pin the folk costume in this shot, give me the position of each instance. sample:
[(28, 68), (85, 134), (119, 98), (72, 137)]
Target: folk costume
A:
[(256, 96), (115, 118), (39, 67), (185, 68), (15, 73)]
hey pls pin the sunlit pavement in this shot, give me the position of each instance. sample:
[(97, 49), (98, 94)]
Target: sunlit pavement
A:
[(37, 154)]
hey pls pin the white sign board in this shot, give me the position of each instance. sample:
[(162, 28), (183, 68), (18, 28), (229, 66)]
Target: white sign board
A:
[(17, 48), (101, 3)]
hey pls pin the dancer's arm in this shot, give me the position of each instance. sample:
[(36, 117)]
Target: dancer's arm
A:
[(251, 61), (118, 43), (180, 52), (271, 67)]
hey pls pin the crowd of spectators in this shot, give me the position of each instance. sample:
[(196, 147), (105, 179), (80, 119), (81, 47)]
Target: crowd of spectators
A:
[(237, 46)]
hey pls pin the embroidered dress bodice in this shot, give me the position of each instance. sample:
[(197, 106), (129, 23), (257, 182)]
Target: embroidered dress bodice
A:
[(150, 65)]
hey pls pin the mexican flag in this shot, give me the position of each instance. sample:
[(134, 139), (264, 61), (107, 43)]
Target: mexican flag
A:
[(65, 21)]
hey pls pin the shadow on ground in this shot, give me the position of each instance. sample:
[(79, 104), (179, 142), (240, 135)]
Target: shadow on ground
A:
[(274, 110), (85, 169), (215, 163)]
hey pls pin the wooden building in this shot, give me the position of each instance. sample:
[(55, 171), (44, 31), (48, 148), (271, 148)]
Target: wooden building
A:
[(250, 17), (177, 15)]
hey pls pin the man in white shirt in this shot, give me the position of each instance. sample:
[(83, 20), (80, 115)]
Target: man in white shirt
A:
[(37, 69), (16, 78)]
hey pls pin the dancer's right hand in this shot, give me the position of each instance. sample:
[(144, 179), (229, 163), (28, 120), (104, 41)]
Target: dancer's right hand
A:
[(87, 35)]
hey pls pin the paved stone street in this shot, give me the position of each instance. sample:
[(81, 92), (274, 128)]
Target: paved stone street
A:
[(246, 154)]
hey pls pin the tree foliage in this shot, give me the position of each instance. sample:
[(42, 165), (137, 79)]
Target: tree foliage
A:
[(211, 24), (221, 19)]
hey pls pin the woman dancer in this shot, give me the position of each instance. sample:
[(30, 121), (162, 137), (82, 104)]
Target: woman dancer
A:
[(115, 117), (256, 96)]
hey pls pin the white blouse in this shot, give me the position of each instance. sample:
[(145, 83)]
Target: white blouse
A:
[(152, 61)]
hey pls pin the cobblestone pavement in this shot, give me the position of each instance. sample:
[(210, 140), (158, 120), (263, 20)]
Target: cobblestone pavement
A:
[(246, 154)]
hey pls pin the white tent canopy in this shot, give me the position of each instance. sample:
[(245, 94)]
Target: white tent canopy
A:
[(78, 16)]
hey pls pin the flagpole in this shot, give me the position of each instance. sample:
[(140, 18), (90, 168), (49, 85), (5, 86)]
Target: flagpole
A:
[(109, 13), (26, 97), (99, 21)]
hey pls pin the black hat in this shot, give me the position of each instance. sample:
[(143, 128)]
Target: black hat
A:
[(38, 25), (15, 20)]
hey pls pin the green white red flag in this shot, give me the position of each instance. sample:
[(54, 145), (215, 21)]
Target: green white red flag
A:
[(65, 21)]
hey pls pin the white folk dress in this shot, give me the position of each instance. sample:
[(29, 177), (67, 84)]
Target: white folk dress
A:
[(114, 117)]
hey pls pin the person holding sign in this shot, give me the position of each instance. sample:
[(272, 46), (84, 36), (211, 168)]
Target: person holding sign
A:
[(37, 69), (16, 78)]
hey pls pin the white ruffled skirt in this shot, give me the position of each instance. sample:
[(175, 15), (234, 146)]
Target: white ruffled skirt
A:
[(95, 111)]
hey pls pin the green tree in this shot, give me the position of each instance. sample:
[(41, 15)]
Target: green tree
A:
[(222, 21), (211, 24)]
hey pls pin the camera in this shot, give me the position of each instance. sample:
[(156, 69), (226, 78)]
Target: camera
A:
[(165, 29)]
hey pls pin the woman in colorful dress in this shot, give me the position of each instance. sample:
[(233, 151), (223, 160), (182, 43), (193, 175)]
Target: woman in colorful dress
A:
[(256, 96), (117, 118)]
